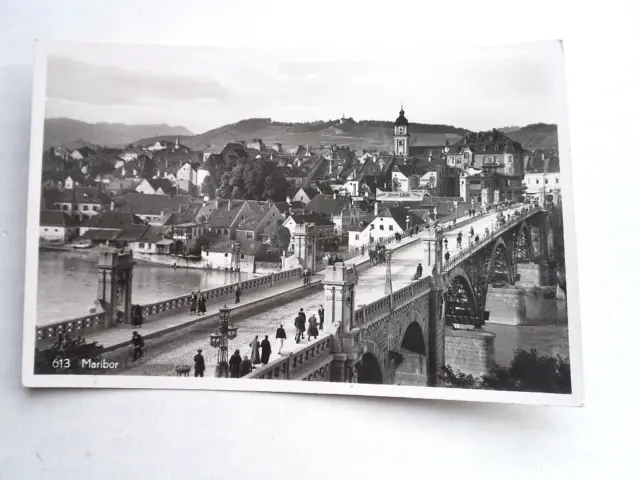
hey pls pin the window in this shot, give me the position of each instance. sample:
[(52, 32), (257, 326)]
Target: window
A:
[(226, 255), (510, 159), (249, 235), (95, 208), (537, 181), (46, 229), (55, 229), (557, 180), (381, 227), (357, 236), (546, 181), (65, 207), (226, 232), (148, 245), (241, 257), (390, 227), (219, 231), (85, 208)]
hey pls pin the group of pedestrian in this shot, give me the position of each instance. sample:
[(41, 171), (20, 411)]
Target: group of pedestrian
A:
[(138, 344), (418, 273), (377, 255), (136, 316), (65, 342), (198, 303), (333, 259), (239, 366), (260, 351), (300, 322)]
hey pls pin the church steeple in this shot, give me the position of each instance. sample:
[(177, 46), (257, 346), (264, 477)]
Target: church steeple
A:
[(401, 135)]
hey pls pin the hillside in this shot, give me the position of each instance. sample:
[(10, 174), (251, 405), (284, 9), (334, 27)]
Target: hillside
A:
[(363, 134), (65, 131), (535, 136)]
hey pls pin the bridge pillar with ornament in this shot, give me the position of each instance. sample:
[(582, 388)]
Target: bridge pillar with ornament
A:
[(115, 275), (304, 245), (339, 294)]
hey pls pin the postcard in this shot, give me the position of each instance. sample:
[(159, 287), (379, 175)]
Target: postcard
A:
[(387, 223)]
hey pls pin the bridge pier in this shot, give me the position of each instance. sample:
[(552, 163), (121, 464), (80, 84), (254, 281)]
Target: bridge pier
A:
[(470, 351), (506, 305), (532, 274)]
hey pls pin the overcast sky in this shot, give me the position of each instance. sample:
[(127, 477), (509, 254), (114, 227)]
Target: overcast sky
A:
[(202, 89)]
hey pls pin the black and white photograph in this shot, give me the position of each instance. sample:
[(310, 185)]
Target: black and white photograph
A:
[(384, 223)]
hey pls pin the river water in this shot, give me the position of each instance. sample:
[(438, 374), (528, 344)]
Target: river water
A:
[(68, 284)]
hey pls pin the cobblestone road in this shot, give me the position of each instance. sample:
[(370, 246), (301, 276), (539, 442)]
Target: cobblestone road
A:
[(181, 351)]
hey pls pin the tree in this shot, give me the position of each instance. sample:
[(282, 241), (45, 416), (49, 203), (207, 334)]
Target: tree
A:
[(225, 189), (281, 237), (237, 182), (208, 187), (527, 372)]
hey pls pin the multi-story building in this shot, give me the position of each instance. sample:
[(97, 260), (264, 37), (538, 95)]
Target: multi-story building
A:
[(543, 184)]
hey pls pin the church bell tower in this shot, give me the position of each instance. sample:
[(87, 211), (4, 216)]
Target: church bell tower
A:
[(401, 135)]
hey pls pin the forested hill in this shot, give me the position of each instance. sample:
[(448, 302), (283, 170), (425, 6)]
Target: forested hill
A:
[(534, 136)]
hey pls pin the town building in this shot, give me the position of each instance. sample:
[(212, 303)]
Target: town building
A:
[(156, 186), (543, 185), (326, 239), (152, 208), (234, 255), (339, 210), (81, 203), (57, 226)]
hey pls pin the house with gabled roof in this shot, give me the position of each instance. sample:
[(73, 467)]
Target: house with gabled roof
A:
[(156, 186), (325, 229), (57, 226), (337, 209), (392, 220), (253, 225), (151, 208), (82, 202), (305, 194)]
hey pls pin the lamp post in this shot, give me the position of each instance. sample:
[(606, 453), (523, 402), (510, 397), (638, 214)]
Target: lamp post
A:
[(236, 251), (455, 205), (408, 224), (220, 341)]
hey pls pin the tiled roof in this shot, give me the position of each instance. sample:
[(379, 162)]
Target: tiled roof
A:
[(82, 195), (142, 204), (56, 218), (226, 215), (112, 220), (311, 217), (310, 191), (131, 233), (327, 205), (324, 188), (492, 141), (399, 214), (163, 183)]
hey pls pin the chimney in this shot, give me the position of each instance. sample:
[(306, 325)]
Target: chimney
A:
[(289, 200), (162, 213), (216, 203), (335, 195), (375, 208), (113, 205)]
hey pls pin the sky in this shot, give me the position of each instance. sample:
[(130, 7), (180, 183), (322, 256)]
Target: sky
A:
[(202, 89)]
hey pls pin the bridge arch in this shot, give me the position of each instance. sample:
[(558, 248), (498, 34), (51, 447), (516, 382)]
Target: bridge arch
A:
[(500, 264), (524, 244), (460, 298), (369, 369)]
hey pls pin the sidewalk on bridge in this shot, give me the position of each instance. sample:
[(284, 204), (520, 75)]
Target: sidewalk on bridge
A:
[(120, 335)]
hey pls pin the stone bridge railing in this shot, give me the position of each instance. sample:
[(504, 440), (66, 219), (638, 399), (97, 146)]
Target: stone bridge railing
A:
[(96, 321), (384, 305), (463, 253), (293, 365)]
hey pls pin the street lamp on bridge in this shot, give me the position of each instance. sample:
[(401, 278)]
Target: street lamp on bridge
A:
[(388, 287), (220, 341), (236, 250)]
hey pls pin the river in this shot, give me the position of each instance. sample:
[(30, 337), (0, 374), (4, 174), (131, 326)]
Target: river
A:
[(68, 283)]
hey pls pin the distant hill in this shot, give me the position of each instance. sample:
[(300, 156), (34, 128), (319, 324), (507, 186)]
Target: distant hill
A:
[(535, 136), (65, 131), (363, 134)]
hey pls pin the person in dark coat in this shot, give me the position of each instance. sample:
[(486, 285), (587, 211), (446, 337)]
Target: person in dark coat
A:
[(234, 364), (245, 366), (303, 321), (321, 316), (419, 270), (198, 364), (313, 327), (194, 303), (296, 323), (238, 292), (138, 344), (266, 350), (202, 305), (282, 336), (446, 257)]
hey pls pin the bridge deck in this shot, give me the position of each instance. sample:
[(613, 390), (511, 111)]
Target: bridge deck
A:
[(370, 288)]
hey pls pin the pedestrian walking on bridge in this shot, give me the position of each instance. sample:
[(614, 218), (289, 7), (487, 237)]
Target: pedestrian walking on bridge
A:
[(193, 299), (281, 335), (238, 292), (321, 317), (313, 327), (234, 364), (266, 350), (198, 364), (202, 305), (245, 366), (255, 351)]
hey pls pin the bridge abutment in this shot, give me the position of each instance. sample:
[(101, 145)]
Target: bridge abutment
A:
[(470, 351), (506, 305), (115, 275)]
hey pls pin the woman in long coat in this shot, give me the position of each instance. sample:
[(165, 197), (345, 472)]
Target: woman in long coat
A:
[(194, 303), (234, 364), (313, 327), (255, 351), (202, 305), (245, 366)]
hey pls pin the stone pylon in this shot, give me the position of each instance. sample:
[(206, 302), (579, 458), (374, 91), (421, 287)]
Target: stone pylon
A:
[(388, 286)]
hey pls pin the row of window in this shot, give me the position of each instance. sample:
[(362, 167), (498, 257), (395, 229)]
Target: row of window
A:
[(227, 254), (85, 208), (382, 227), (546, 181)]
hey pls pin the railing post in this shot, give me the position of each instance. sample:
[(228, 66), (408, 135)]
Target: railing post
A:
[(271, 279)]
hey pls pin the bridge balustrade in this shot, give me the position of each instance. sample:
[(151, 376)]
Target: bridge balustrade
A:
[(96, 321), (516, 218), (287, 368)]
